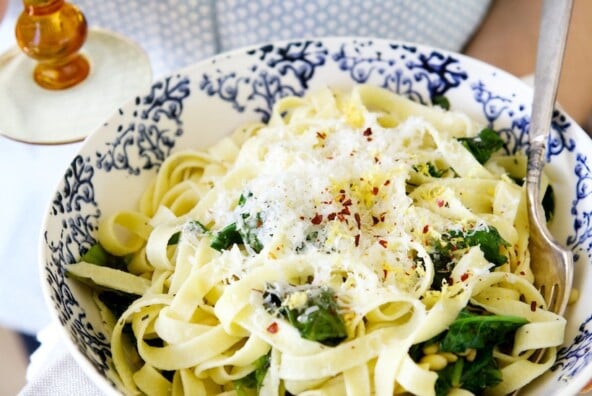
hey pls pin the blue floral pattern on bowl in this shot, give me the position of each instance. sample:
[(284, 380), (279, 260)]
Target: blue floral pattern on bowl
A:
[(136, 140)]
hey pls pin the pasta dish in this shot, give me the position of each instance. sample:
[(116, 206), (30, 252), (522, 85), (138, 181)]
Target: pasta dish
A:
[(358, 243)]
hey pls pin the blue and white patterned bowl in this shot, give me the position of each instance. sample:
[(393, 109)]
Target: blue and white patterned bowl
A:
[(200, 104)]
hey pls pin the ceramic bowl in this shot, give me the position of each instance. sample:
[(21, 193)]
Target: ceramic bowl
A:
[(198, 105)]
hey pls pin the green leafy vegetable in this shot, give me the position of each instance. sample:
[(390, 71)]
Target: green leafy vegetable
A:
[(471, 330), (483, 145), (99, 256), (490, 242), (117, 302), (226, 237), (443, 252), (317, 319), (475, 376), (480, 332), (442, 101), (252, 382)]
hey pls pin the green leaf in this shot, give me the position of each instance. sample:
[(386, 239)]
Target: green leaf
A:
[(490, 242), (226, 237), (479, 331), (475, 376), (317, 320), (481, 373), (99, 256), (483, 145), (252, 382), (442, 101), (442, 252)]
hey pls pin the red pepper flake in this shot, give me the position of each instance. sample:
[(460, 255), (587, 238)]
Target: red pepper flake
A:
[(382, 217), (383, 243), (464, 277), (375, 190), (376, 160), (522, 273), (387, 182), (375, 220), (331, 216), (533, 306), (384, 273), (272, 328), (317, 219), (347, 202), (357, 240), (426, 228), (340, 217), (367, 131), (321, 135), (345, 211), (440, 202), (358, 220)]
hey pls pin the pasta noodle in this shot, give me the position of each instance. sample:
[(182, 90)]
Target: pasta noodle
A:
[(346, 247)]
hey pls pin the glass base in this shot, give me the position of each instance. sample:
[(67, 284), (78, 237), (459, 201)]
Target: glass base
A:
[(119, 69)]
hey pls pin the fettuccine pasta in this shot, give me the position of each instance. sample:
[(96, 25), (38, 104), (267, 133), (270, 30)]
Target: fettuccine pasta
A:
[(359, 243)]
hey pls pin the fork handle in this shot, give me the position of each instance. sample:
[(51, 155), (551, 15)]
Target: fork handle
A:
[(551, 46)]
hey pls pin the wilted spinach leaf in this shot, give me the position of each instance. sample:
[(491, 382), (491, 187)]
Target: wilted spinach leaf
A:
[(483, 145)]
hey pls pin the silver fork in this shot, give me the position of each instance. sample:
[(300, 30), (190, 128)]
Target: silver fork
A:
[(551, 263)]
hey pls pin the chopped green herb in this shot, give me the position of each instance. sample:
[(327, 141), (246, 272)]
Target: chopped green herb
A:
[(483, 145), (242, 200), (247, 228), (429, 169), (226, 237)]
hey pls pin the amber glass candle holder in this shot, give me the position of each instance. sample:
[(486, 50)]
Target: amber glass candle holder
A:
[(63, 79), (52, 32)]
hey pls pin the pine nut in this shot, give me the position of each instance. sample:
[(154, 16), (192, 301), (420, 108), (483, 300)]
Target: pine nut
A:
[(434, 361), (430, 349)]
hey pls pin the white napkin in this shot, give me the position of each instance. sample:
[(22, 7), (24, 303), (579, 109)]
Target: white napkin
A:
[(53, 370)]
